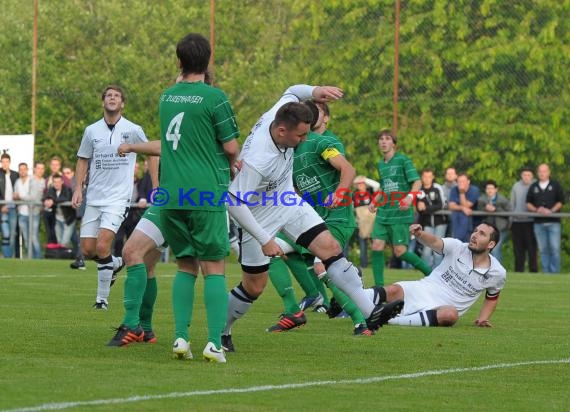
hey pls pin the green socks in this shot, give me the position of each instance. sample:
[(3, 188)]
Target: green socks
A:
[(378, 267), (135, 285), (183, 303), (147, 307), (216, 302), (279, 276), (416, 262)]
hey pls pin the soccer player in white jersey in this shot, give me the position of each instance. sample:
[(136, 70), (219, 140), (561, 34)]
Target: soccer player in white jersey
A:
[(466, 271), (109, 187), (264, 202)]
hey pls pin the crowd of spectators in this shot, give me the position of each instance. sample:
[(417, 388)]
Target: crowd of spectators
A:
[(27, 200), (530, 236)]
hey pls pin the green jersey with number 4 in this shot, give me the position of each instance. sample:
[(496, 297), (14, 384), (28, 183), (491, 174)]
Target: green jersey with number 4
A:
[(195, 120)]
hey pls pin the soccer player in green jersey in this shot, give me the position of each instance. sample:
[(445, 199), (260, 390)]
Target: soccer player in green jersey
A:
[(322, 175), (399, 180), (198, 145)]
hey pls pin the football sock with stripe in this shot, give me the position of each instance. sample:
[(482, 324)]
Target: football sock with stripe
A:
[(135, 285), (183, 303), (216, 302), (147, 306), (104, 275), (345, 302), (281, 280), (239, 303), (345, 276), (378, 267), (416, 262), (423, 318)]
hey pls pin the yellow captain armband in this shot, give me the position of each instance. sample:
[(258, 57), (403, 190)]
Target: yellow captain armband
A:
[(329, 153)]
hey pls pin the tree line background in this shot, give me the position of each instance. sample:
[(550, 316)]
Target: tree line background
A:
[(483, 84)]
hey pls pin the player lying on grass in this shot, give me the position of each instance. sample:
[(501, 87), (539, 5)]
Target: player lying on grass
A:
[(466, 271)]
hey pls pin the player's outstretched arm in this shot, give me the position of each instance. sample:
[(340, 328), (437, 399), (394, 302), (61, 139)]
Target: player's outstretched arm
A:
[(148, 148), (427, 239)]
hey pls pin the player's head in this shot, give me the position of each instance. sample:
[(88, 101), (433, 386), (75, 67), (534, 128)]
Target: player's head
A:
[(193, 53), (314, 112), (113, 99), (386, 141), (484, 238), (291, 124)]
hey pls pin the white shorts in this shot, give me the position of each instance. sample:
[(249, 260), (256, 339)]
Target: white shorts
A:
[(293, 221), (421, 296), (102, 217), (151, 231)]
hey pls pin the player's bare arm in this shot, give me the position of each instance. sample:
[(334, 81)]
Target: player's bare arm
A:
[(407, 201), (487, 310), (426, 239), (231, 149), (347, 175), (148, 148), (80, 175), (323, 94)]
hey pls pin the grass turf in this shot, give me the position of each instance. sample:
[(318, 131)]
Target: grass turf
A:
[(53, 351)]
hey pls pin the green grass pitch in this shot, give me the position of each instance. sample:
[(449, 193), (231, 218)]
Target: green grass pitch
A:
[(53, 353)]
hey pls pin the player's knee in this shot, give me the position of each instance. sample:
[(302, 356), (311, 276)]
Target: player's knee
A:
[(393, 292), (377, 246), (132, 255), (447, 316), (254, 286)]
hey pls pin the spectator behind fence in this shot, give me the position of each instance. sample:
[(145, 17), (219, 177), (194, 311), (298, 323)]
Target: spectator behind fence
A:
[(49, 216), (24, 191), (429, 201), (522, 229), (492, 201), (450, 181), (546, 197), (462, 201), (9, 219), (57, 194), (364, 218)]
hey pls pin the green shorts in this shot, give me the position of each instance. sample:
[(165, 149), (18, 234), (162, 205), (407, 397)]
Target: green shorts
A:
[(341, 233), (398, 234), (196, 233)]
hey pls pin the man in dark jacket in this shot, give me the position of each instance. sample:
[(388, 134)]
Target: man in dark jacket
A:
[(429, 201), (65, 215), (546, 197), (9, 220)]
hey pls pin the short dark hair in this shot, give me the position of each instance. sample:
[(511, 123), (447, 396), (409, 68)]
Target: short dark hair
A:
[(22, 164), (325, 107), (388, 132), (293, 113), (491, 182), (314, 111), (495, 234), (527, 169), (57, 176), (115, 87), (5, 156), (427, 170), (194, 52)]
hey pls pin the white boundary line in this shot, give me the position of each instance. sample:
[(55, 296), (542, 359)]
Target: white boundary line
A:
[(65, 405)]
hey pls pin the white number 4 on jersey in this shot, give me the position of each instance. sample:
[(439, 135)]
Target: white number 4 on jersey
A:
[(173, 131)]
